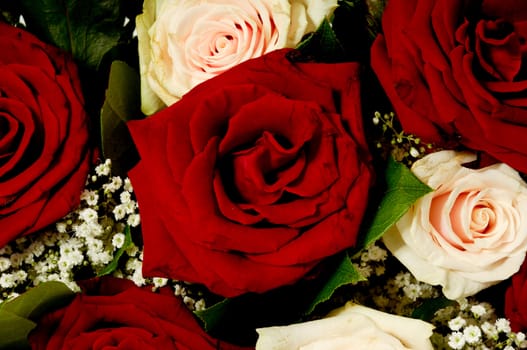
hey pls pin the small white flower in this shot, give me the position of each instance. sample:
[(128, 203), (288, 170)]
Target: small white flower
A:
[(138, 278), (29, 258), (133, 220), (402, 279), (478, 310), (37, 248), (159, 281), (456, 340), (7, 280), (199, 305), (16, 259), (414, 152), (189, 302), (90, 197), (457, 323), (520, 337), (113, 185), (118, 240), (89, 215), (128, 185), (104, 168), (125, 197), (472, 334), (489, 329), (503, 325), (20, 275), (101, 258), (463, 303), (130, 207), (412, 291), (119, 212), (508, 347), (179, 290), (5, 263)]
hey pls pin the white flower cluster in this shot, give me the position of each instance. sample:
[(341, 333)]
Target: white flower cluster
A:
[(80, 245), (463, 325), (83, 243), (474, 325), (371, 261)]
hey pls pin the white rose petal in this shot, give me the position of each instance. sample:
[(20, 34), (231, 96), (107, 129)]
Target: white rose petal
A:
[(185, 42), (350, 327), (470, 232)]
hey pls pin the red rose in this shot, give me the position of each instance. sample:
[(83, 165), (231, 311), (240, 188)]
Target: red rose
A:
[(254, 176), (115, 314), (515, 305), (456, 68), (44, 158)]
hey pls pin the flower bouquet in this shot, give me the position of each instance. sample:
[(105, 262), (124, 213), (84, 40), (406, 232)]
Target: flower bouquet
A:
[(269, 174)]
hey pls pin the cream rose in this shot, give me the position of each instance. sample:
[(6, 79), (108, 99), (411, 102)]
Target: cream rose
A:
[(349, 327), (470, 232), (184, 42)]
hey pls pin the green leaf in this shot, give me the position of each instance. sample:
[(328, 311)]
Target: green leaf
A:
[(403, 189), (322, 45), (345, 274), (121, 105), (14, 331), (38, 300), (429, 307), (115, 262), (87, 29), (18, 316), (212, 316)]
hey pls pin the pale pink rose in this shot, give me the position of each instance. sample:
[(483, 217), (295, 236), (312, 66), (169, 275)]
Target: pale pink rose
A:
[(470, 232), (185, 42), (349, 327)]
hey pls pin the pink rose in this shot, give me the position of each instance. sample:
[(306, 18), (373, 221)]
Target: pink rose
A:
[(470, 232)]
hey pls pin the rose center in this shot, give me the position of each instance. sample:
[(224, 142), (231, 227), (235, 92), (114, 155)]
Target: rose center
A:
[(498, 48), (262, 171), (222, 43), (483, 218)]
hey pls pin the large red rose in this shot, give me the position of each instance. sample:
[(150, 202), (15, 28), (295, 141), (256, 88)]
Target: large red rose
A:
[(457, 68), (115, 314), (254, 176), (44, 157), (515, 296)]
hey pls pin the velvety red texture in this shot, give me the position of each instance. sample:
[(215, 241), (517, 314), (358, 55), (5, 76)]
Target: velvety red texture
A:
[(44, 157), (515, 297), (114, 313), (253, 177), (454, 70)]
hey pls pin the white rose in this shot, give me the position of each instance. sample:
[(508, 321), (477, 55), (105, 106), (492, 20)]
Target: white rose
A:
[(470, 232), (184, 42), (349, 327)]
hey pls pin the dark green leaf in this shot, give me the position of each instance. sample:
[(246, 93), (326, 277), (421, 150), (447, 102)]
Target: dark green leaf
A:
[(87, 29), (122, 104), (213, 315), (115, 262), (429, 307), (345, 274), (322, 45), (403, 189)]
